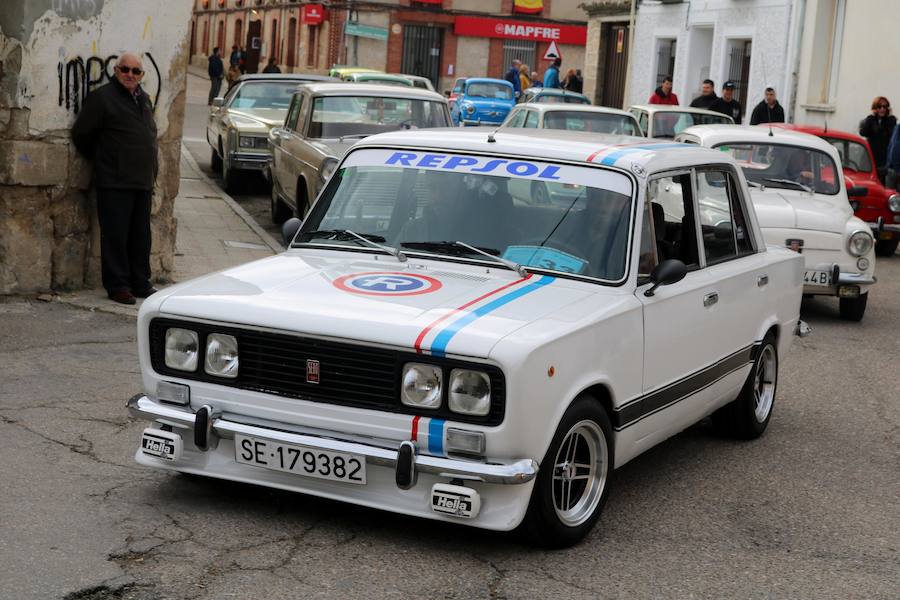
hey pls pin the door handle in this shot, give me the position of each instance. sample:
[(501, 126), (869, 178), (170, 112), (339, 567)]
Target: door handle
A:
[(710, 299), (762, 280)]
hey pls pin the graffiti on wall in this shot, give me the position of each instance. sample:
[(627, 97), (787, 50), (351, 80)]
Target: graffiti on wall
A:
[(78, 76)]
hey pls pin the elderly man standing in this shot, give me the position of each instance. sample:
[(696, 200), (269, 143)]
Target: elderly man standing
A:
[(512, 76), (116, 130)]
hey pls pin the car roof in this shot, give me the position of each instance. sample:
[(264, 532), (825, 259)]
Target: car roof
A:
[(652, 108), (637, 154), (299, 77), (820, 131), (372, 89), (550, 91), (487, 80), (375, 76), (713, 135), (543, 107)]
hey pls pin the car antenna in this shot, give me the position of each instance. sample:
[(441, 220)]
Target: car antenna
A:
[(491, 139)]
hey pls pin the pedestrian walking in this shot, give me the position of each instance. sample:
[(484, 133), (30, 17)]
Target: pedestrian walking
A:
[(664, 93), (536, 80), (578, 84), (551, 76), (570, 81), (116, 130), (512, 76), (707, 95), (524, 79), (271, 67), (727, 105), (242, 62), (877, 127), (216, 71), (768, 110)]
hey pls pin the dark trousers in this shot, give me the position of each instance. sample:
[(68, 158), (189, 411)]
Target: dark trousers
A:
[(124, 217), (215, 84)]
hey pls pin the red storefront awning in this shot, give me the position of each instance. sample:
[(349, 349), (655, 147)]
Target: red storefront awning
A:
[(520, 30)]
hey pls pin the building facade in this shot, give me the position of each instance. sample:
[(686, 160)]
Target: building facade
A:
[(606, 51), (438, 39)]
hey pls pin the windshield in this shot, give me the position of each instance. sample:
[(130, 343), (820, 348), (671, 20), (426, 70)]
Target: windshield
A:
[(264, 94), (336, 116), (670, 124), (595, 122), (854, 156), (788, 167), (489, 90), (561, 99), (384, 81), (561, 218)]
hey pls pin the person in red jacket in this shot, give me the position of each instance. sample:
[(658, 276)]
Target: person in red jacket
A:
[(664, 94)]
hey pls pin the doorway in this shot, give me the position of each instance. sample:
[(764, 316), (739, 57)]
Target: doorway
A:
[(615, 65), (422, 46)]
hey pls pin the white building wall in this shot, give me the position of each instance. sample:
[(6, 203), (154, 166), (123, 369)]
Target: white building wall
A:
[(766, 22)]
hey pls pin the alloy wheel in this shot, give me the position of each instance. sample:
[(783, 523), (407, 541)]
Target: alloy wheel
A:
[(580, 473)]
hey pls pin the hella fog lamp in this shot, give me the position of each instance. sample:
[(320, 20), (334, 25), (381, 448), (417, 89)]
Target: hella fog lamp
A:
[(421, 385), (173, 393), (470, 392), (862, 264), (221, 355), (182, 349), (859, 243)]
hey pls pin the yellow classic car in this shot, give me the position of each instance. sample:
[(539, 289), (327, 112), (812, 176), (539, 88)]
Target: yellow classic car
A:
[(238, 125)]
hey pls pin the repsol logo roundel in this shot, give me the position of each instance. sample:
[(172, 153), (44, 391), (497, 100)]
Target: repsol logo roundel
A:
[(387, 284)]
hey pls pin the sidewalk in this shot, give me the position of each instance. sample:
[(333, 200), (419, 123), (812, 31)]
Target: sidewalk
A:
[(214, 233)]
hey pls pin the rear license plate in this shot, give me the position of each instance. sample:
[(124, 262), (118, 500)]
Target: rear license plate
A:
[(300, 460), (817, 278)]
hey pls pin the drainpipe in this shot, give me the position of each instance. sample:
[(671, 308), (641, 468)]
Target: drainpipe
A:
[(627, 95), (792, 78)]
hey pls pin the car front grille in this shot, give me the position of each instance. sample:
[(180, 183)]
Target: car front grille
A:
[(349, 374)]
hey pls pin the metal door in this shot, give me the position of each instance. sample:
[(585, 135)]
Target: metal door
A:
[(422, 46), (615, 65), (739, 69)]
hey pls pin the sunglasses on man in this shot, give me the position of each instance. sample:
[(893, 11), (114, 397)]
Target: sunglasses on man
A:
[(127, 70)]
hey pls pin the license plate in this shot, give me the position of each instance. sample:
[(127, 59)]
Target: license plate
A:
[(300, 460), (817, 277)]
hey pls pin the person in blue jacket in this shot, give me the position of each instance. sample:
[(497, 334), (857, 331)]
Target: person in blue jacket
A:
[(551, 77), (512, 76)]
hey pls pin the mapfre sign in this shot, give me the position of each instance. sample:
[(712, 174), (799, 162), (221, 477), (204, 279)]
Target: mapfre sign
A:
[(520, 30)]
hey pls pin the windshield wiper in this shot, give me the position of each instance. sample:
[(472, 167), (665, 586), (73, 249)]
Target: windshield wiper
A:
[(455, 248), (802, 186), (346, 234)]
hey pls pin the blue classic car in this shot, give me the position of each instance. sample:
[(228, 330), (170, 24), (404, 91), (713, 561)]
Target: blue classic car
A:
[(483, 101)]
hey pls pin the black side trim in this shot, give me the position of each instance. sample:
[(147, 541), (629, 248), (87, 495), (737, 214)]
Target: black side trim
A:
[(644, 406)]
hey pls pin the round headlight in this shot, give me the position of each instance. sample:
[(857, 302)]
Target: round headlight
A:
[(470, 108), (221, 355), (894, 203), (182, 349), (327, 168), (421, 385), (470, 392), (859, 243)]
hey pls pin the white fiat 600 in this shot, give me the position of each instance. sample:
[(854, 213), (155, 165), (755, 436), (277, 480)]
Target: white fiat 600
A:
[(436, 343), (801, 202)]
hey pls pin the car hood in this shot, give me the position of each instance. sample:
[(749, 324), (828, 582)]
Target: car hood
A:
[(269, 117), (333, 146), (786, 209), (458, 309)]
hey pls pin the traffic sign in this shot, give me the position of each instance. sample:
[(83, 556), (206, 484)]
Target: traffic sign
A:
[(552, 52)]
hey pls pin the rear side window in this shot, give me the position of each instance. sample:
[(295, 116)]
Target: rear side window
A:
[(518, 117), (672, 219), (722, 221), (532, 119)]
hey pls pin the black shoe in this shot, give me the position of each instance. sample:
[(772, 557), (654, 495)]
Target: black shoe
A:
[(122, 297), (146, 293)]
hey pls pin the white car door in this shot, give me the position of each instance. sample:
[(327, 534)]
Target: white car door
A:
[(698, 332)]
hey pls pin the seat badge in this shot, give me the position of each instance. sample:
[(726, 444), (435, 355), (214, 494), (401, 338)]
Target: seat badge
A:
[(795, 245), (312, 371)]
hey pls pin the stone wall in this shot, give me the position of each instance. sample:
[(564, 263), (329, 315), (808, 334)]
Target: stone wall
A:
[(52, 53)]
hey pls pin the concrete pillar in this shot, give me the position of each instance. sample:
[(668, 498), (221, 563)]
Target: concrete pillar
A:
[(52, 54)]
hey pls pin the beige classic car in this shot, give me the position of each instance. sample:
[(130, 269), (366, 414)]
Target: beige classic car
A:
[(239, 122), (324, 120)]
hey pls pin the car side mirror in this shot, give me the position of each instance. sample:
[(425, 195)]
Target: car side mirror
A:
[(290, 229), (218, 102), (857, 191), (667, 272), (447, 93)]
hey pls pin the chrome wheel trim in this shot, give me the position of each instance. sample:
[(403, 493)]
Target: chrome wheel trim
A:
[(580, 471), (764, 380)]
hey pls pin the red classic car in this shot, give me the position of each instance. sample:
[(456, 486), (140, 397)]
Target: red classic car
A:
[(879, 207)]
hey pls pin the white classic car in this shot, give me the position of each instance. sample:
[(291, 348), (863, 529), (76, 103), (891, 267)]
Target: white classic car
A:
[(433, 344), (801, 201), (664, 121)]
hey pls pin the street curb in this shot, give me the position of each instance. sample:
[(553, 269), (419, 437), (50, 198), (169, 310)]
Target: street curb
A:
[(232, 204)]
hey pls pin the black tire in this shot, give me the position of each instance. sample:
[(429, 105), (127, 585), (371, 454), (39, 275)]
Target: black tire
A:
[(886, 247), (229, 178), (278, 210), (747, 416), (553, 520), (302, 204), (853, 309), (540, 194), (215, 161)]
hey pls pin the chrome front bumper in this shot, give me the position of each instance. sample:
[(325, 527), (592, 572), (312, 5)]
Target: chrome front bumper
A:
[(248, 161), (386, 453)]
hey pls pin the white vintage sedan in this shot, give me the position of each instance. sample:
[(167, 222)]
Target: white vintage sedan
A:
[(434, 344), (801, 200)]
